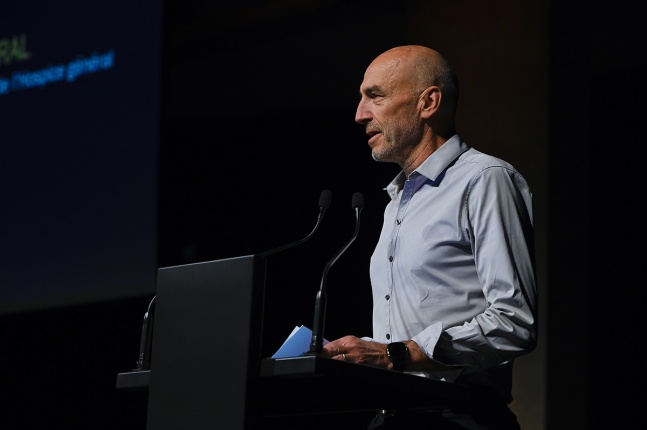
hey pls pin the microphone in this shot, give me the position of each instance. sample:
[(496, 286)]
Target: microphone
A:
[(144, 360), (324, 203), (316, 343)]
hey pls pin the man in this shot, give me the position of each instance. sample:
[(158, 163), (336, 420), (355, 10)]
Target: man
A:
[(453, 276)]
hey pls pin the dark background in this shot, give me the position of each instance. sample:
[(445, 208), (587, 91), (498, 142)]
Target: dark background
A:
[(257, 100)]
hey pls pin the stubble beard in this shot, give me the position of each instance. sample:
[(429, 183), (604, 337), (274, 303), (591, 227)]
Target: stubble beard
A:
[(398, 148), (386, 153)]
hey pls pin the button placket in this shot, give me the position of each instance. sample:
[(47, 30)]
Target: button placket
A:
[(407, 194)]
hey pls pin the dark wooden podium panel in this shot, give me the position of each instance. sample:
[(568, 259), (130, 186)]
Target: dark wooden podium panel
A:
[(206, 345)]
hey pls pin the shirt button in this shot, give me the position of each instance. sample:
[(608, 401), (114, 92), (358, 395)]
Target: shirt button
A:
[(390, 258), (398, 222), (388, 336), (388, 297)]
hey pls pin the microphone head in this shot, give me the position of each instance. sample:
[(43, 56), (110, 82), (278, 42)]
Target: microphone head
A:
[(358, 201), (325, 199)]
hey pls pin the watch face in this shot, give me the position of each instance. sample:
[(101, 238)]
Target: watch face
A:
[(397, 353), (396, 350)]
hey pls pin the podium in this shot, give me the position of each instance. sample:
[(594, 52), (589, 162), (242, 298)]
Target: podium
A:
[(206, 369)]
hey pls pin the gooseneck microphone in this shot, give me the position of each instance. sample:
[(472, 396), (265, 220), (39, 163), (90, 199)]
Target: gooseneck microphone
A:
[(144, 359), (316, 343), (324, 203)]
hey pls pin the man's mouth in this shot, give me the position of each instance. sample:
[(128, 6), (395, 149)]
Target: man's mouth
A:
[(373, 136)]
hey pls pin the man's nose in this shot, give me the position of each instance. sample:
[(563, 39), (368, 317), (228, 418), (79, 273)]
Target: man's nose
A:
[(361, 114)]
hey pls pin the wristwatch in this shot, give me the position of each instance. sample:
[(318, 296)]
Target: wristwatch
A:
[(398, 354)]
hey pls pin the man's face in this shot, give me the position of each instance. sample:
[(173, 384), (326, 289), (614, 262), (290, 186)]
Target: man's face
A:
[(389, 110)]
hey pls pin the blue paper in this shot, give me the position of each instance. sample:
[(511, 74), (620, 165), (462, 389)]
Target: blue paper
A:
[(297, 343)]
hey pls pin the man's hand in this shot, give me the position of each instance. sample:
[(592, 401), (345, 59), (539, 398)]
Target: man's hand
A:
[(356, 350)]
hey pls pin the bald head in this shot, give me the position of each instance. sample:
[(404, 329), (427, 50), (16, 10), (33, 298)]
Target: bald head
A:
[(418, 67)]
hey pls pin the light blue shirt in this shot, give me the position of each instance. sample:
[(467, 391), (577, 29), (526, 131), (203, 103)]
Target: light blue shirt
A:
[(454, 265)]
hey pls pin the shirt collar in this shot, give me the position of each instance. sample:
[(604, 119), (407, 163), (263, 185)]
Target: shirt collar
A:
[(433, 168)]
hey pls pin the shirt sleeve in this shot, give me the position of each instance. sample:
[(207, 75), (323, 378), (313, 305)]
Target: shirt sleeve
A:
[(498, 222)]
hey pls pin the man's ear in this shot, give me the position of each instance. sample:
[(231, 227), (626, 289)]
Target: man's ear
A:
[(430, 101)]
